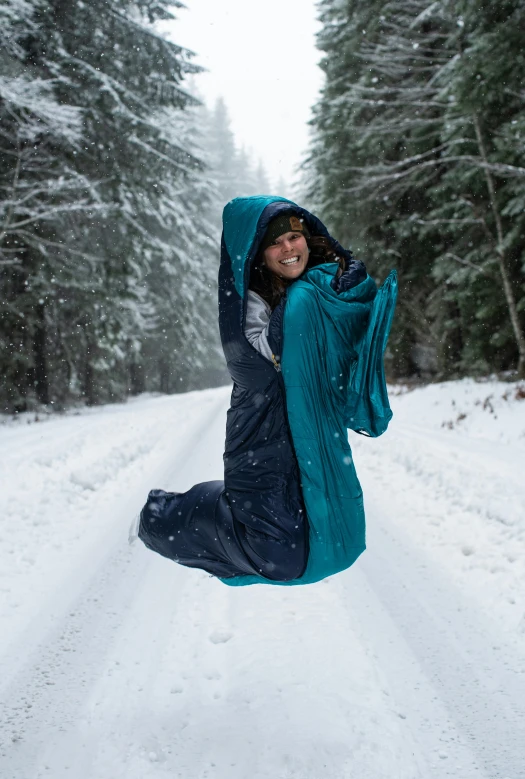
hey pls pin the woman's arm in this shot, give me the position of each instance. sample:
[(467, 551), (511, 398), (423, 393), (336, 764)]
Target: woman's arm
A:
[(258, 314)]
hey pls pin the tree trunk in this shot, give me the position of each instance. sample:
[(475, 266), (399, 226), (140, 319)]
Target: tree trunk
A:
[(89, 376), (502, 259), (39, 352), (164, 376), (136, 378)]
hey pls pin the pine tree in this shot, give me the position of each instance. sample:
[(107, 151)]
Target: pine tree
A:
[(115, 196), (41, 193), (378, 107), (482, 194), (181, 349), (262, 183), (416, 160), (125, 151), (220, 144), (282, 188)]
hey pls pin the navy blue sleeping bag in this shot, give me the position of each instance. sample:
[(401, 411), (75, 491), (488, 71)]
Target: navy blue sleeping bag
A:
[(290, 509)]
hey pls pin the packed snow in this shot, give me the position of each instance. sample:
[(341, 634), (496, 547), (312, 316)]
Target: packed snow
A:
[(115, 663), (453, 465)]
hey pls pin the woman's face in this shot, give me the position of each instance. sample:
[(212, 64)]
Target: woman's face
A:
[(287, 256)]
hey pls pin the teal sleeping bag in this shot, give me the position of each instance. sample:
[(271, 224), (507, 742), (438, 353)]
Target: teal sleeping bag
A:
[(334, 377), (290, 508), (333, 372)]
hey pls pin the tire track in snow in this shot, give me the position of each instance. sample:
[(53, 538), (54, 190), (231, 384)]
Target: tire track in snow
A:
[(59, 499), (462, 503), (47, 674), (471, 719)]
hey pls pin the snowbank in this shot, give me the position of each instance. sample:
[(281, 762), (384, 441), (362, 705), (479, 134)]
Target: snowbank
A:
[(489, 410)]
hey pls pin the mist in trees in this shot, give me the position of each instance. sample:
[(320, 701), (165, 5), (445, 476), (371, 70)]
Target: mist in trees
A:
[(237, 173), (112, 181), (417, 161)]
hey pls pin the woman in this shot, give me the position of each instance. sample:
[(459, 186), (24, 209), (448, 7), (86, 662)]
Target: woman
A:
[(286, 251), (303, 330)]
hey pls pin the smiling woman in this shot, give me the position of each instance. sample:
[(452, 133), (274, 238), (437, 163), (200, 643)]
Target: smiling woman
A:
[(290, 509), (286, 251), (289, 250)]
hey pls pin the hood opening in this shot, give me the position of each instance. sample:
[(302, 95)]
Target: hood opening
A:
[(244, 223), (315, 227)]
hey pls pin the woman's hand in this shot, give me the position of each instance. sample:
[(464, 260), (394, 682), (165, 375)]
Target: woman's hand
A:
[(353, 274)]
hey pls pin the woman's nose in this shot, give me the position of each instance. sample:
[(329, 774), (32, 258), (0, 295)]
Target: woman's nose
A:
[(286, 245)]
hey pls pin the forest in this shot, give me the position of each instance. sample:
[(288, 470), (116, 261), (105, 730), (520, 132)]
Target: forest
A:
[(418, 162), (113, 176)]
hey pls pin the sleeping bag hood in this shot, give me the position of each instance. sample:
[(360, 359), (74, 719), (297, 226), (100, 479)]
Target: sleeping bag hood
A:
[(290, 509)]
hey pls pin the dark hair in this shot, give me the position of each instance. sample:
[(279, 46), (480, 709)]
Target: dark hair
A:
[(271, 287)]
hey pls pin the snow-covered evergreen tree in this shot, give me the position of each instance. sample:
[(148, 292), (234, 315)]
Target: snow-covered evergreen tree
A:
[(480, 199), (236, 172), (41, 192), (181, 348), (105, 205), (371, 113), (220, 144), (262, 182), (415, 160)]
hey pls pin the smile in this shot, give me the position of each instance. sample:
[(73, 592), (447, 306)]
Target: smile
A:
[(289, 261)]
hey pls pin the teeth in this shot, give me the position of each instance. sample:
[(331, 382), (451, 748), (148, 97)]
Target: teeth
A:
[(290, 261)]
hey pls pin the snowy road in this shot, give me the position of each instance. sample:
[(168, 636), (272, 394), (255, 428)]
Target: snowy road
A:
[(116, 664)]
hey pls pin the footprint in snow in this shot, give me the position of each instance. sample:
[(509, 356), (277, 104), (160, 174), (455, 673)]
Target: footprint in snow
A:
[(212, 676), (220, 636)]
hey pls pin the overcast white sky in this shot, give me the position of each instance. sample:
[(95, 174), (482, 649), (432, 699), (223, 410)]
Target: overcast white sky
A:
[(261, 58)]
